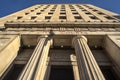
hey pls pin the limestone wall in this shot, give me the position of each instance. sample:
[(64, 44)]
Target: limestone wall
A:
[(8, 54)]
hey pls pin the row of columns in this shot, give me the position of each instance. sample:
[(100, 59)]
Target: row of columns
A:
[(87, 66)]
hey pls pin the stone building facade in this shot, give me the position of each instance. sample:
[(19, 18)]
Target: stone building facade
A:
[(60, 42)]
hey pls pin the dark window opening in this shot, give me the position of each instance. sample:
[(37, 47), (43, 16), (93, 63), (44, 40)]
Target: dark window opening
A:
[(118, 16), (61, 73), (41, 10), (47, 17), (75, 13), (62, 10), (84, 10), (93, 17), (62, 13), (73, 10), (19, 17), (78, 17), (38, 13), (62, 17), (87, 13), (50, 13), (95, 10), (26, 13), (109, 17), (101, 13), (14, 72), (36, 8), (32, 10), (52, 10), (80, 8), (109, 73), (90, 8), (33, 17)]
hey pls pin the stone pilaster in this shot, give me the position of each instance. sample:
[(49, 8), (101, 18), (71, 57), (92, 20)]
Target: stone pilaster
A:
[(87, 65), (37, 60)]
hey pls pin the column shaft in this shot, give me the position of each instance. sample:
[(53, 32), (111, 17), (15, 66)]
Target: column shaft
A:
[(42, 65), (30, 68), (88, 67)]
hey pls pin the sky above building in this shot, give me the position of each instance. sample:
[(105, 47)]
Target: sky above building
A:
[(10, 6)]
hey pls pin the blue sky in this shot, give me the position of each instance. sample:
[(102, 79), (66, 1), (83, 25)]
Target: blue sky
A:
[(10, 6)]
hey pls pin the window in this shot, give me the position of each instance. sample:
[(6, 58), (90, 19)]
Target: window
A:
[(109, 17), (84, 10), (87, 13), (62, 17), (75, 13), (50, 13), (19, 17), (33, 17), (61, 73), (93, 17), (26, 13), (101, 13), (45, 8), (73, 10), (32, 10), (80, 8), (95, 10), (47, 17), (52, 10), (77, 17), (41, 10), (36, 8), (62, 12), (38, 13)]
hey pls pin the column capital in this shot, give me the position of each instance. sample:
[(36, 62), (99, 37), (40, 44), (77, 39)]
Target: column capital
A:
[(78, 37)]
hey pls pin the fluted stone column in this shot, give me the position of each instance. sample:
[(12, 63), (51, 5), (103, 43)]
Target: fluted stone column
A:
[(42, 65), (87, 65), (36, 61)]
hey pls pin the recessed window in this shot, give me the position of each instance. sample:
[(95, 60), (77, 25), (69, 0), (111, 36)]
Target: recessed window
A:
[(90, 8), (62, 12), (41, 10), (52, 10), (19, 17), (73, 10), (84, 10), (47, 17), (62, 17), (87, 13), (38, 13), (81, 8), (77, 17), (101, 13), (75, 13), (39, 6), (109, 17), (45, 8), (26, 13), (36, 8), (33, 17), (50, 13), (93, 17), (95, 10), (32, 10)]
